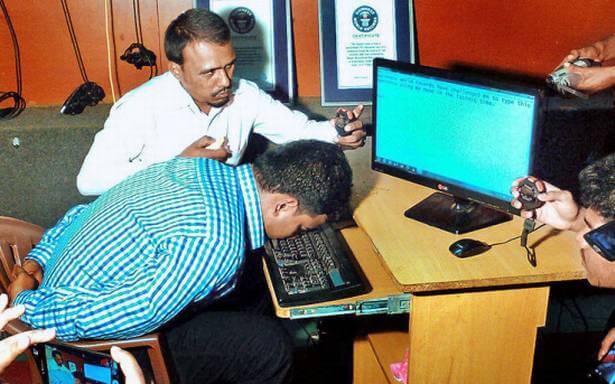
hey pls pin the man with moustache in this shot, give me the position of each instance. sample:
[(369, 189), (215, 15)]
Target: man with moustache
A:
[(183, 111)]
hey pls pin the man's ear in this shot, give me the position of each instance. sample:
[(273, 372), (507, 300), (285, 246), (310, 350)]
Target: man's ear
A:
[(175, 69), (286, 206)]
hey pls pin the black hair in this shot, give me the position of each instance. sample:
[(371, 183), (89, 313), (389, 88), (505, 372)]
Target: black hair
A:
[(56, 353), (597, 182), (317, 174), (193, 25)]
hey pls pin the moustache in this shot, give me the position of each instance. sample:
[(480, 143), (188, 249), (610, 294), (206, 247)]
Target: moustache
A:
[(221, 91)]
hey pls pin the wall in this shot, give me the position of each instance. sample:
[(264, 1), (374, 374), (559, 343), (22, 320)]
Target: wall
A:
[(49, 67), (525, 36)]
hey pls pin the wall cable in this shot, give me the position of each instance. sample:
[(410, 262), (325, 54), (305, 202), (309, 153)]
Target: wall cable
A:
[(136, 14), (160, 51), (19, 103), (109, 20), (73, 38)]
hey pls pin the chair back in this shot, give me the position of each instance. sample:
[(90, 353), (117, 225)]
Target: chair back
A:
[(17, 238)]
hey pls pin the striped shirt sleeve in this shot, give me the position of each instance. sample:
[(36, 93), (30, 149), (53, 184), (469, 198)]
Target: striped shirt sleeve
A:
[(142, 303), (42, 252)]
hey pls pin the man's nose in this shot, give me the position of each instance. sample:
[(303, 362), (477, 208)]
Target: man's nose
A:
[(224, 78), (581, 240)]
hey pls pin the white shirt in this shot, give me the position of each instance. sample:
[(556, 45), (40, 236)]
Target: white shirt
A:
[(158, 120), (60, 374)]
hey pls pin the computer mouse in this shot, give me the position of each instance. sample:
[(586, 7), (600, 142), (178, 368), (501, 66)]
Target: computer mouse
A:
[(468, 247)]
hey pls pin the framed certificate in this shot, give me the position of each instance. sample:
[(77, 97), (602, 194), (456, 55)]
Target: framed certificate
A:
[(261, 35), (352, 34)]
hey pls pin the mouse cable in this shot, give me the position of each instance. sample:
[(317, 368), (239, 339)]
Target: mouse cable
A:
[(514, 238), (73, 39), (530, 252), (19, 103)]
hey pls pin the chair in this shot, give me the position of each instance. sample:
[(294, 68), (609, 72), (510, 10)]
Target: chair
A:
[(17, 238)]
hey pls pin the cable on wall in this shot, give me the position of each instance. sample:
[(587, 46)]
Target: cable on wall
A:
[(158, 29), (87, 94), (108, 21), (73, 39), (19, 103), (136, 54)]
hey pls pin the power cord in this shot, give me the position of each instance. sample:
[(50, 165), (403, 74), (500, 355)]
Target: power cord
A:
[(136, 54), (19, 103), (108, 27), (87, 94), (73, 39)]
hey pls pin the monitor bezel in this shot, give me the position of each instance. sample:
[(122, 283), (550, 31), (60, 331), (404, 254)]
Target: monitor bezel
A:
[(461, 77)]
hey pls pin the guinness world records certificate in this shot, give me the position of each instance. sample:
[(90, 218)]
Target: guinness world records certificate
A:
[(352, 34), (260, 32)]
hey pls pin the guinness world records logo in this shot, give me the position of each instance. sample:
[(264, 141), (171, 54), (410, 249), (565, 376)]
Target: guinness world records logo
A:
[(365, 18), (241, 20)]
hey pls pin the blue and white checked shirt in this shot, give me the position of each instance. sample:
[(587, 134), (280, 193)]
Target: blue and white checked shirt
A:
[(130, 261)]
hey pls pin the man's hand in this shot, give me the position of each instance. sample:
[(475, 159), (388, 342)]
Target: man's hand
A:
[(199, 149), (13, 346), (128, 365), (608, 340), (355, 125), (22, 281), (590, 52), (593, 79), (559, 211), (34, 270)]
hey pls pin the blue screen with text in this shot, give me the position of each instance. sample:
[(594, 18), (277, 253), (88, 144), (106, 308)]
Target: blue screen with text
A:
[(469, 135)]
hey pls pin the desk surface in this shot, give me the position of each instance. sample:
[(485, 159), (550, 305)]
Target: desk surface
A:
[(417, 255)]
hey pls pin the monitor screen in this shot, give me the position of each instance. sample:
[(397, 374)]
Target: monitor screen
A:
[(465, 135)]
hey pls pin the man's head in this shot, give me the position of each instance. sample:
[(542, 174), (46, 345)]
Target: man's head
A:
[(57, 357), (597, 182), (201, 56), (302, 184)]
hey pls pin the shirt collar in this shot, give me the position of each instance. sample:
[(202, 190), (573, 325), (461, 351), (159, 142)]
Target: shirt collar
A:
[(177, 96), (183, 99), (252, 203)]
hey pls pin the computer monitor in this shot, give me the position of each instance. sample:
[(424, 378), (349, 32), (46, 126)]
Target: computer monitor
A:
[(464, 135)]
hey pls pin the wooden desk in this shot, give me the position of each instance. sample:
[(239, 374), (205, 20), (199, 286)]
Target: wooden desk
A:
[(471, 320)]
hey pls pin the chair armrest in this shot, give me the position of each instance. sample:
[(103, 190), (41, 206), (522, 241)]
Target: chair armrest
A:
[(16, 326), (150, 340)]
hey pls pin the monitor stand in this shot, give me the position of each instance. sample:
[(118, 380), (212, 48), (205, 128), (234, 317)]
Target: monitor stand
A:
[(455, 215)]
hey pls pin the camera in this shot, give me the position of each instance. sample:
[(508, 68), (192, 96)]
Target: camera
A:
[(564, 82), (528, 193)]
